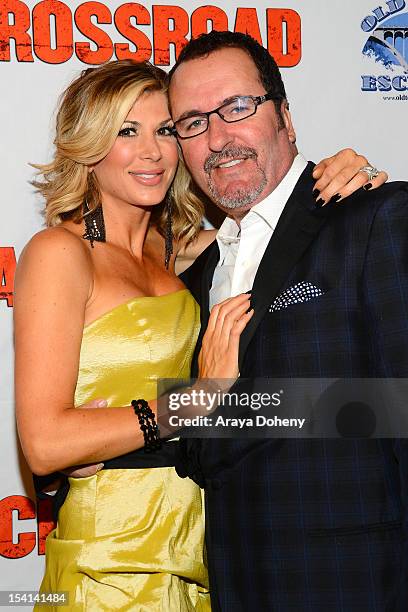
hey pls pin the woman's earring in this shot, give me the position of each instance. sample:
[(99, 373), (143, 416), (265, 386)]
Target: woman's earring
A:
[(169, 232), (94, 224)]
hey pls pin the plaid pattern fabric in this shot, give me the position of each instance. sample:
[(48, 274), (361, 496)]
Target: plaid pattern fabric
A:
[(315, 525)]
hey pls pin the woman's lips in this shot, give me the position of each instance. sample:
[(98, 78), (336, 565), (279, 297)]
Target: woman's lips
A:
[(146, 177)]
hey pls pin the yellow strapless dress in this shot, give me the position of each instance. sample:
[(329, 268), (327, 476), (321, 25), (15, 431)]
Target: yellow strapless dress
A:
[(132, 539)]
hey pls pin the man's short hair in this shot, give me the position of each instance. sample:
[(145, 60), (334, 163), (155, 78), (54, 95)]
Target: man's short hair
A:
[(268, 70)]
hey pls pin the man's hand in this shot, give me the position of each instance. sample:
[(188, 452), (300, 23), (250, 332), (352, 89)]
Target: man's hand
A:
[(340, 175), (90, 469)]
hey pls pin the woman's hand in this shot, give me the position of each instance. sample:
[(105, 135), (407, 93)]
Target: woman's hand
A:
[(339, 175), (217, 364), (218, 357), (82, 471)]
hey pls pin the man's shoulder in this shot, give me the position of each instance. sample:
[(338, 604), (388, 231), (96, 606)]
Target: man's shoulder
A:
[(390, 189), (390, 214), (363, 206)]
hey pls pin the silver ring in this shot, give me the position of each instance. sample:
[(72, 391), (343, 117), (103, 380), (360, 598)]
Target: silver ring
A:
[(371, 172)]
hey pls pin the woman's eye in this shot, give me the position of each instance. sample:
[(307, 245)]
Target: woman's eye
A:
[(127, 131), (166, 130)]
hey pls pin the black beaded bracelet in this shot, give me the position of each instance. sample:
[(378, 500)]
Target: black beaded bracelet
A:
[(148, 425)]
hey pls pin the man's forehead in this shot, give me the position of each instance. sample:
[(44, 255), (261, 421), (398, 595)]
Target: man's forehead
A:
[(219, 59), (225, 68)]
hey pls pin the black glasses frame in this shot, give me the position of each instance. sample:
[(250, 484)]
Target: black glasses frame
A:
[(257, 100)]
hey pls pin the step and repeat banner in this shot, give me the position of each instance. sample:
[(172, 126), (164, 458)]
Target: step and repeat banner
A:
[(345, 65)]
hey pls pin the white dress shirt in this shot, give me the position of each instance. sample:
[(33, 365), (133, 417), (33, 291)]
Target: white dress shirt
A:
[(242, 248)]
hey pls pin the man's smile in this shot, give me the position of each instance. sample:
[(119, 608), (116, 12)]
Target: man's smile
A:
[(230, 164), (228, 158)]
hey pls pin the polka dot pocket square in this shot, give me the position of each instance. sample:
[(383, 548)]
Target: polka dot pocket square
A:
[(301, 292)]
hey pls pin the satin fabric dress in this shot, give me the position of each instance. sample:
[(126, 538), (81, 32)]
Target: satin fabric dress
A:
[(132, 539)]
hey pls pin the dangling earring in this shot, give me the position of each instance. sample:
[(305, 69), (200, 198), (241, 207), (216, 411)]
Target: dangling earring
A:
[(168, 241), (94, 224)]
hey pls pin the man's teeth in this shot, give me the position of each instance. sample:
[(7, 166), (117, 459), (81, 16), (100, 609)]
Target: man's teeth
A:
[(231, 163)]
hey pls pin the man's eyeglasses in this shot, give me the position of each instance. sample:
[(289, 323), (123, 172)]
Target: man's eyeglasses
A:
[(236, 109)]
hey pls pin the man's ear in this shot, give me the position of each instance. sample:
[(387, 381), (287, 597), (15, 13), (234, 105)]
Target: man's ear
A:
[(287, 121)]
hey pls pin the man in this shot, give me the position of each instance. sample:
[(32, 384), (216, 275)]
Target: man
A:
[(334, 178), (294, 525)]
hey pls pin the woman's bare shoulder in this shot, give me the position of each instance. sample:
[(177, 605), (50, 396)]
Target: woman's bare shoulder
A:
[(56, 243), (55, 253)]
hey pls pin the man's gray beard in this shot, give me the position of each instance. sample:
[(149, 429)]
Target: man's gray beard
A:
[(242, 197)]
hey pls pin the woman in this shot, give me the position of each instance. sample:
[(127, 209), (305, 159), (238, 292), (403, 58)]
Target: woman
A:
[(111, 321), (111, 317)]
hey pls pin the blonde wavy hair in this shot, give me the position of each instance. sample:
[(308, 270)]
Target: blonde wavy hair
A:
[(90, 114)]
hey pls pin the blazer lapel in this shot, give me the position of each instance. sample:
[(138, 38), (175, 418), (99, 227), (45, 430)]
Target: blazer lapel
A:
[(298, 225), (201, 290), (206, 282)]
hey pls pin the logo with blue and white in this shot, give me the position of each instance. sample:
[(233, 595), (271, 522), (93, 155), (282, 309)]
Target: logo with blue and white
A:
[(386, 50)]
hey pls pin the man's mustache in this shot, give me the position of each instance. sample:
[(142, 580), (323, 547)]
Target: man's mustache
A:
[(228, 153)]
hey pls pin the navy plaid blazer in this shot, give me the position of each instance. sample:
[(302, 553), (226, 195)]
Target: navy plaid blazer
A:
[(314, 525)]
